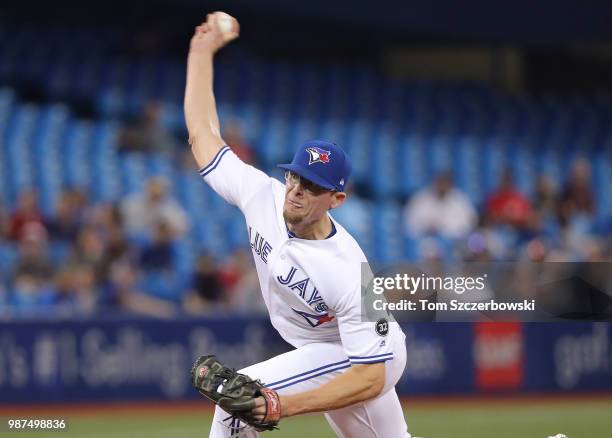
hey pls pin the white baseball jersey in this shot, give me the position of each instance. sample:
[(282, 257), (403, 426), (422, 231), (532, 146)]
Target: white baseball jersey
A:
[(311, 287)]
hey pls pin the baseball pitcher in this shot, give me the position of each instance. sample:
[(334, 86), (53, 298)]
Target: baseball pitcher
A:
[(309, 269)]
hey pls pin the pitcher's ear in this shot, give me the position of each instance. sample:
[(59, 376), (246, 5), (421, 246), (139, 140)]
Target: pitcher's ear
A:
[(337, 200)]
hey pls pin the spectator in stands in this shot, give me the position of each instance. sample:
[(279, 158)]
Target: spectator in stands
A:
[(440, 210), (143, 211), (29, 294), (105, 218), (241, 286), (159, 254), (88, 249), (65, 224), (545, 199), (80, 201), (122, 294), (206, 291), (576, 215), (4, 222), (545, 210), (117, 250), (26, 213), (63, 288), (31, 287), (492, 241), (477, 248), (75, 289), (232, 133), (106, 221), (508, 206), (85, 288), (33, 259), (577, 199), (535, 251), (148, 134), (4, 300)]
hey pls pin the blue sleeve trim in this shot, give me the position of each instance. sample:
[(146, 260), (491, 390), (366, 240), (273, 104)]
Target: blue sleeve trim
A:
[(370, 357), (215, 161), (382, 359)]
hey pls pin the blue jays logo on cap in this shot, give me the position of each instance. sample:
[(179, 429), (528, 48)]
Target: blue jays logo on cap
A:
[(317, 155), (313, 161)]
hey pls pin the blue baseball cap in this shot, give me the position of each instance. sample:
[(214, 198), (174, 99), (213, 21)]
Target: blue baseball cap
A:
[(323, 163)]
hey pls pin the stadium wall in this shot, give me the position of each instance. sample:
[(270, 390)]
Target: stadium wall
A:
[(143, 359)]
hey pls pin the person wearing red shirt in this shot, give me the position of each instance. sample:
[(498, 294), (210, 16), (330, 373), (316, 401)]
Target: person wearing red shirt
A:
[(27, 212), (507, 205)]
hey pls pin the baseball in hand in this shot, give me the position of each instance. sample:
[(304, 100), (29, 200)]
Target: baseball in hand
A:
[(227, 25)]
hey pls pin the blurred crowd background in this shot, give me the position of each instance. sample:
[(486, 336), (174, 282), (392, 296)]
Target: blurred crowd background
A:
[(486, 154)]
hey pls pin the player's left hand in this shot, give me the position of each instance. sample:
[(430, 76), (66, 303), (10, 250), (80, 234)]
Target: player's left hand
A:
[(259, 411), (236, 393)]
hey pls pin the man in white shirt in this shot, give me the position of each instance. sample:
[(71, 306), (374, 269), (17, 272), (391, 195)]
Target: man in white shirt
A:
[(144, 212), (309, 270), (440, 209)]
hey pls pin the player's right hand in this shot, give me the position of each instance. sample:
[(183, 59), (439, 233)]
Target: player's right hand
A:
[(208, 36)]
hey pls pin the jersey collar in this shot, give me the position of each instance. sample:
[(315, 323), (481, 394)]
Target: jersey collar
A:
[(292, 235)]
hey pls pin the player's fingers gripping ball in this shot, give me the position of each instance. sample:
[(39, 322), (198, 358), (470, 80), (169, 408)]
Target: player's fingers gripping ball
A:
[(225, 24), (235, 393), (218, 30)]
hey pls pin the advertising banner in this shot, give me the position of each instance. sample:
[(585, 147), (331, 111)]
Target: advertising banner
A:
[(146, 359)]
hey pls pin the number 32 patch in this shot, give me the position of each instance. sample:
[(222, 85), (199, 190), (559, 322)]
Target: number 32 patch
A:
[(382, 327)]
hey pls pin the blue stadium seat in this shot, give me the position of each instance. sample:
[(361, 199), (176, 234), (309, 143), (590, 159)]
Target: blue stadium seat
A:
[(399, 134), (162, 284), (8, 256)]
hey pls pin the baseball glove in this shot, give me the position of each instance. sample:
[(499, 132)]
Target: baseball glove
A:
[(235, 393)]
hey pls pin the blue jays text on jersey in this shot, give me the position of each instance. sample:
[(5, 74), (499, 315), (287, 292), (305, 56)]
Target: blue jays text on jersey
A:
[(260, 246), (300, 286), (312, 297)]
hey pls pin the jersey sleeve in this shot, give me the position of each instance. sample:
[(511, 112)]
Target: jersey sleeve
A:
[(363, 341), (232, 179)]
